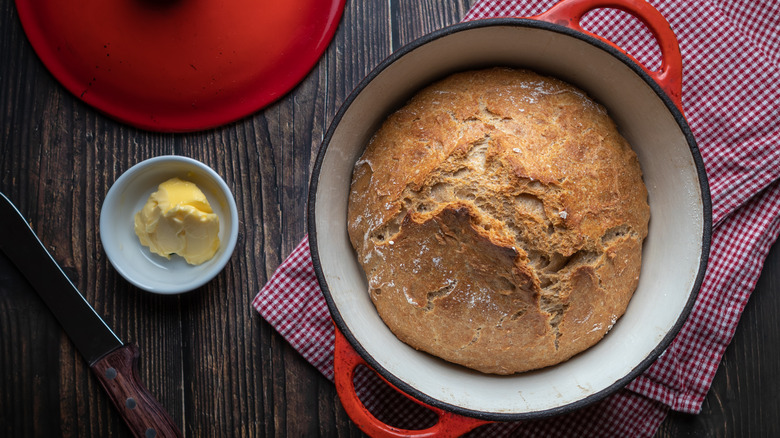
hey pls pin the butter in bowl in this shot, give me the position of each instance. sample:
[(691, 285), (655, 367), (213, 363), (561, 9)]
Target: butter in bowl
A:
[(169, 224)]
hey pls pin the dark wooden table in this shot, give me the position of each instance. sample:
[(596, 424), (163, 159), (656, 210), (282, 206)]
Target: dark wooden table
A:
[(219, 368)]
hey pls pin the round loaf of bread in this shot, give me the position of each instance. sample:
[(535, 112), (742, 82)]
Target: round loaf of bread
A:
[(499, 218)]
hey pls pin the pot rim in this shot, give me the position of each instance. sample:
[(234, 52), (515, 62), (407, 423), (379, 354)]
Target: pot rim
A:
[(703, 185)]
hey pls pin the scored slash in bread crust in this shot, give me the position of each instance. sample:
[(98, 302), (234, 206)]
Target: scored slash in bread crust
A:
[(499, 218)]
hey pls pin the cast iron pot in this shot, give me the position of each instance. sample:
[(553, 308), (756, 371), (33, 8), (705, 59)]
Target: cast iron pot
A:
[(647, 107)]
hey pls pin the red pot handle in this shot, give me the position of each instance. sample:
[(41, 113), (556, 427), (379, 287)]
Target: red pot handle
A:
[(346, 361), (569, 13)]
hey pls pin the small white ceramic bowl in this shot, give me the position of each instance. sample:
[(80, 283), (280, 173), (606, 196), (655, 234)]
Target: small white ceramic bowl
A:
[(134, 261)]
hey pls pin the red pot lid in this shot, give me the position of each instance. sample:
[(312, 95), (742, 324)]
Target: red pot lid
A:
[(179, 65)]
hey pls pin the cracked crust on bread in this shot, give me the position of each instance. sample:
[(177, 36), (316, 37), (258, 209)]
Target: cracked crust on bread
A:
[(499, 218)]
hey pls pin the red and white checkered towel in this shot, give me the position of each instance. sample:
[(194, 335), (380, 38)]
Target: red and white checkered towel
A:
[(731, 55)]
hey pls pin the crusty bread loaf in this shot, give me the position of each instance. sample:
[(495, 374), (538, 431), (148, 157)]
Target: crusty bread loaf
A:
[(499, 217)]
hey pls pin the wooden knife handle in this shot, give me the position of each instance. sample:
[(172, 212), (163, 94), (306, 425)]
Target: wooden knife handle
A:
[(117, 373)]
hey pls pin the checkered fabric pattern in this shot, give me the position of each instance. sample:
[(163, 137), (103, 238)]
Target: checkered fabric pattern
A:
[(731, 55)]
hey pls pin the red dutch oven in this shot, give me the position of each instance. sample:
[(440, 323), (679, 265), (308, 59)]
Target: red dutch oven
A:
[(646, 105)]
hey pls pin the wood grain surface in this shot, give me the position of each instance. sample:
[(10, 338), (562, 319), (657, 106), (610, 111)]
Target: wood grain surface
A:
[(219, 368)]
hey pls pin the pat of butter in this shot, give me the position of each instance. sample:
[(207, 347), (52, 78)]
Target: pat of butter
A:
[(177, 219)]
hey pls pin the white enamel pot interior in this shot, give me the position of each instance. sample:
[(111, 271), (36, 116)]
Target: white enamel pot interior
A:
[(674, 253)]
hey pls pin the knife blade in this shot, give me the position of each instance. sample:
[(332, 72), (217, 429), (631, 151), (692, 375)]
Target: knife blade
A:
[(114, 363)]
